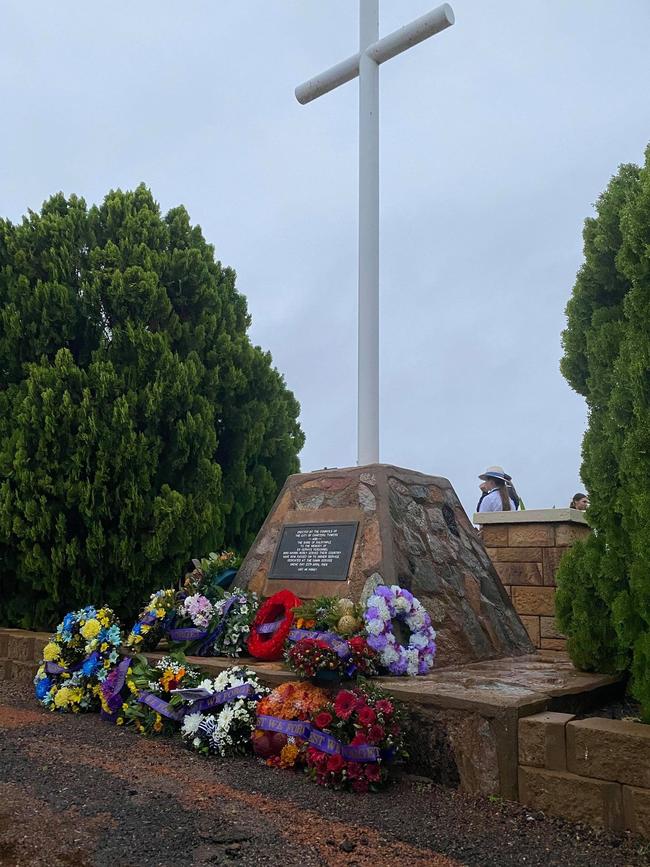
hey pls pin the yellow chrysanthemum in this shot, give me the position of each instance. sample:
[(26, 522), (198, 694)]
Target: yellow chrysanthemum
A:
[(104, 646), (90, 629), (63, 697), (51, 652), (119, 721), (160, 612)]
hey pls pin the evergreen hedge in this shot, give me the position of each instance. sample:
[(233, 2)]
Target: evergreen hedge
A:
[(603, 599), (138, 424)]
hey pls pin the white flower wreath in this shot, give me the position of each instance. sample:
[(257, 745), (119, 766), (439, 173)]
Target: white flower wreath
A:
[(225, 730)]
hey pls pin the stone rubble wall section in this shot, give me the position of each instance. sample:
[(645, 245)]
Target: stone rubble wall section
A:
[(526, 558), (593, 770)]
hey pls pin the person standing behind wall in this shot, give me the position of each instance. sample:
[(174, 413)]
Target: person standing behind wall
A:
[(496, 495), (580, 502)]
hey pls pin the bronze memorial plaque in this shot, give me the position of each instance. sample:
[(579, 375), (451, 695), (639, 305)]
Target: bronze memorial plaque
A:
[(319, 551)]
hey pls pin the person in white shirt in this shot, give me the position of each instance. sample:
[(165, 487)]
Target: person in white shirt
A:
[(496, 496)]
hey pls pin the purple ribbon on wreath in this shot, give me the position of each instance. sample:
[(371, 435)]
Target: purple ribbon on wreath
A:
[(207, 638), (112, 692), (53, 668), (270, 628), (219, 628), (186, 633), (323, 741), (162, 707), (295, 728), (222, 697), (149, 618), (351, 752)]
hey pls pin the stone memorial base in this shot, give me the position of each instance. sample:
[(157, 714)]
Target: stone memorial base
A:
[(412, 531)]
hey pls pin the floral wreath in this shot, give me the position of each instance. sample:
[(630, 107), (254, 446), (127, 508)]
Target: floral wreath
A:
[(151, 622), (77, 659), (282, 729), (222, 721), (353, 739), (272, 624), (384, 607), (237, 610), (154, 706)]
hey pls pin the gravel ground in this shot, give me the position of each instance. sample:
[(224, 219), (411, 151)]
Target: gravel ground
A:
[(77, 791)]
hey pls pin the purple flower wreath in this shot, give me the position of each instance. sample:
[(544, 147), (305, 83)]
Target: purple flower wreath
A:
[(389, 604)]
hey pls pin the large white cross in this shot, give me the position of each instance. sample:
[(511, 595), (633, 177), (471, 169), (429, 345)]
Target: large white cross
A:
[(365, 64)]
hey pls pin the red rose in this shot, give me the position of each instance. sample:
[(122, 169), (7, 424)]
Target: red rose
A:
[(355, 770), (323, 719), (335, 763), (373, 772), (358, 644), (367, 716), (375, 734), (344, 703)]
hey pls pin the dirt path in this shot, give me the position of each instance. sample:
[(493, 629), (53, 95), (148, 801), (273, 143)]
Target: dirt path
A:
[(76, 791)]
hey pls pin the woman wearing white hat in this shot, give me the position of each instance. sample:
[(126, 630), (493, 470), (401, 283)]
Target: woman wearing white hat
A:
[(496, 494)]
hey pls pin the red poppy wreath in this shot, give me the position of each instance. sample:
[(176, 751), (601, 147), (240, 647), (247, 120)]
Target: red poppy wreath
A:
[(271, 625)]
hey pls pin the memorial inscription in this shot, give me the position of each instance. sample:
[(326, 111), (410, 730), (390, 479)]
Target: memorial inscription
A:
[(314, 551)]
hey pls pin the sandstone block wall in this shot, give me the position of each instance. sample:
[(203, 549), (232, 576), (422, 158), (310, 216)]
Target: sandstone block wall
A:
[(526, 549), (20, 654), (592, 770)]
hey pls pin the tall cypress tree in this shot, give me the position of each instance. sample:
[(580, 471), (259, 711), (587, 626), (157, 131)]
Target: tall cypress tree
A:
[(603, 600), (138, 424)]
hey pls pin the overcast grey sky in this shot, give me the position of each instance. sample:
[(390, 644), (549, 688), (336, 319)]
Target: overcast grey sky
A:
[(496, 137)]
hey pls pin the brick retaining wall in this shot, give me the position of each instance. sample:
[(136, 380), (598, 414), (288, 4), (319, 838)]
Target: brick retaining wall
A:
[(591, 770), (526, 549)]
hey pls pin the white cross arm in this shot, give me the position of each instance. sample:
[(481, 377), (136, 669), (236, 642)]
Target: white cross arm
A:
[(399, 40)]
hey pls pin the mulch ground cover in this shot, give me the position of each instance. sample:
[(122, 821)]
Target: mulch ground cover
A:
[(77, 791)]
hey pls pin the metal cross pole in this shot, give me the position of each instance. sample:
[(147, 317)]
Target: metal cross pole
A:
[(365, 64)]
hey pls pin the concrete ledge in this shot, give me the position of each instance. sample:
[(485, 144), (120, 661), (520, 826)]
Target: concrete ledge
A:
[(531, 516)]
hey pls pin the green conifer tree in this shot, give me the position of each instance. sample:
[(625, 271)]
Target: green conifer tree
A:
[(603, 600), (138, 425)]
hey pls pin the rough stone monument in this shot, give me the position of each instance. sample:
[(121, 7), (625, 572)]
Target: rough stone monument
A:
[(342, 532)]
